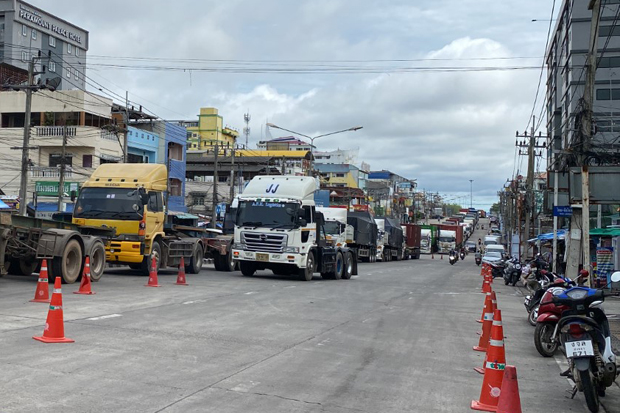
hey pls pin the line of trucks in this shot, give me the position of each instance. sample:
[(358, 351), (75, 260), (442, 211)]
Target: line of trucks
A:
[(452, 234), (120, 219)]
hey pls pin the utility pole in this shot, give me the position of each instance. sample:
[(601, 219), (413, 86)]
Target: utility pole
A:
[(588, 97), (232, 174), (23, 187), (61, 180), (215, 179), (529, 206), (125, 144)]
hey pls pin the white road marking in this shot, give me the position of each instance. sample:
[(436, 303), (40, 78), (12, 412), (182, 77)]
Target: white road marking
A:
[(251, 292), (194, 302), (103, 317), (323, 342), (245, 387)]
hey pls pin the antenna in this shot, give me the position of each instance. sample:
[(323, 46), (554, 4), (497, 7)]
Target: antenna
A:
[(246, 130)]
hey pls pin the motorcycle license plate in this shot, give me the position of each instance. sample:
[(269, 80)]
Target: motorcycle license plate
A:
[(579, 348), (262, 257)]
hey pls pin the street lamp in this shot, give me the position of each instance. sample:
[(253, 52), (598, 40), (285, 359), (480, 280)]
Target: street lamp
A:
[(353, 129), (471, 193)]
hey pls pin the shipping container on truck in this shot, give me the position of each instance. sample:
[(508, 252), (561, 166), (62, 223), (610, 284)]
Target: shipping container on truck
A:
[(356, 230), (429, 235), (447, 231), (389, 239), (413, 237)]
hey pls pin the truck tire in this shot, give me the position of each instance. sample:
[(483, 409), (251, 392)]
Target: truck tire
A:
[(68, 265), (97, 261), (247, 268), (146, 262), (305, 274), (348, 266), (22, 267), (224, 262), (339, 270), (195, 263)]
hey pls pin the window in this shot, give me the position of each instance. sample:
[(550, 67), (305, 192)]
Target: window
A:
[(25, 56), (24, 30), (68, 73), (608, 94), (68, 48), (339, 175), (155, 202), (87, 161), (77, 52), (34, 34), (56, 159), (52, 41), (76, 74), (52, 67)]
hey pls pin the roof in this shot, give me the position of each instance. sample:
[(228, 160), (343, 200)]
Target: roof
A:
[(333, 167), (274, 154), (287, 139), (3, 205), (605, 232), (49, 207), (129, 175)]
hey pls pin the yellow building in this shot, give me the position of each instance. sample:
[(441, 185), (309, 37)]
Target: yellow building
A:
[(210, 130)]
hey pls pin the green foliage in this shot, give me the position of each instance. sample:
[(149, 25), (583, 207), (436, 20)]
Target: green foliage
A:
[(495, 208), (451, 209)]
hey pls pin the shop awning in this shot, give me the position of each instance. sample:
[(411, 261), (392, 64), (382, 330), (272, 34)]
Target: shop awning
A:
[(605, 232), (549, 236)]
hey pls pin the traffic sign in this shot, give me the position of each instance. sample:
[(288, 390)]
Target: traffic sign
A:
[(562, 211)]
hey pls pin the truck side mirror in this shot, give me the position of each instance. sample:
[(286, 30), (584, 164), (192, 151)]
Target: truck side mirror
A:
[(73, 195), (302, 222), (144, 196)]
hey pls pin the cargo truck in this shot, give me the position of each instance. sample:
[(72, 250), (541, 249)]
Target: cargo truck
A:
[(450, 237), (412, 239), (130, 198), (428, 243), (356, 230), (278, 228), (389, 239)]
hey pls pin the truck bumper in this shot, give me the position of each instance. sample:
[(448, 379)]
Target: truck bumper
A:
[(124, 252), (266, 258)]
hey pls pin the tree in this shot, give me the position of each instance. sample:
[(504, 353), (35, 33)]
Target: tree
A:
[(451, 209), (495, 208)]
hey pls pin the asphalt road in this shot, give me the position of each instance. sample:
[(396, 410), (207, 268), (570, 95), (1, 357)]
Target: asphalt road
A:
[(396, 338)]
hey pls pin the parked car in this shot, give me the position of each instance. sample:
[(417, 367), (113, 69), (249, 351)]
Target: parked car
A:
[(491, 257), (471, 246)]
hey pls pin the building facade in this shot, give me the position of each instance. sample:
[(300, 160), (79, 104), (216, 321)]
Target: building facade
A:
[(208, 130), (26, 30), (142, 146)]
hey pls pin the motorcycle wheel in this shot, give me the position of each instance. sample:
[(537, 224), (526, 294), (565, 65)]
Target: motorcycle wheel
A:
[(542, 339), (589, 391), (506, 281), (533, 315)]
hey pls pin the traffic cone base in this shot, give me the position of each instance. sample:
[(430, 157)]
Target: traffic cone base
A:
[(181, 277), (85, 285), (509, 399), (54, 331), (42, 293)]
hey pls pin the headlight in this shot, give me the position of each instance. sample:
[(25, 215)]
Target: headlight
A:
[(577, 294), (293, 250), (518, 267)]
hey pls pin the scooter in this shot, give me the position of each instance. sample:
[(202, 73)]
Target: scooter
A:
[(548, 315), (478, 258), (462, 255), (532, 302), (452, 258), (586, 339)]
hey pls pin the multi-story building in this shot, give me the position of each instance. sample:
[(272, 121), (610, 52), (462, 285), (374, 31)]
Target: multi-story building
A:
[(285, 143), (208, 130), (566, 77), (78, 117), (339, 156), (26, 30), (142, 146)]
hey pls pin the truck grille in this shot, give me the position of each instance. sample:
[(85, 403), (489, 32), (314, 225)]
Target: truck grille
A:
[(259, 241)]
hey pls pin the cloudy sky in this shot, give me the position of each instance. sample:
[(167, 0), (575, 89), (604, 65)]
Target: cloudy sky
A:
[(414, 73)]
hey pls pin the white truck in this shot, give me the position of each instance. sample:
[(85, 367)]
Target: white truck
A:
[(277, 227), (389, 240), (426, 242), (356, 230), (447, 241)]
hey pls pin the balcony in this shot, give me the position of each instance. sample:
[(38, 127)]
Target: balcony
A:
[(78, 136), (55, 130), (48, 172)]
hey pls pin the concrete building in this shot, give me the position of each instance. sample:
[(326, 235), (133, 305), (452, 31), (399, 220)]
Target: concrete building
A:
[(339, 156), (142, 146), (209, 129), (81, 116), (26, 30), (565, 60), (285, 143)]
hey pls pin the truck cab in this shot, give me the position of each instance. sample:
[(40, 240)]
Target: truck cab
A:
[(277, 227), (130, 199)]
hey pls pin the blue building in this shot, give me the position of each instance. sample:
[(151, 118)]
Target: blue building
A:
[(142, 146), (173, 153)]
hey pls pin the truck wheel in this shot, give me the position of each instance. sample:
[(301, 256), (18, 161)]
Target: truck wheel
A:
[(247, 268), (97, 261), (69, 264), (348, 266), (146, 263), (195, 263), (229, 263), (21, 267), (305, 274), (339, 266), (385, 256)]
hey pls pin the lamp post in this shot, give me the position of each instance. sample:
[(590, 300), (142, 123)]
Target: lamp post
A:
[(353, 129), (471, 193)]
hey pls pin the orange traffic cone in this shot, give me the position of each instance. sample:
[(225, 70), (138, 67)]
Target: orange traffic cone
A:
[(485, 305), (42, 293), (181, 276), (153, 282), (494, 301), (54, 331), (441, 256), (495, 324), (486, 286), (487, 323), (494, 369), (85, 285), (509, 399), (432, 256)]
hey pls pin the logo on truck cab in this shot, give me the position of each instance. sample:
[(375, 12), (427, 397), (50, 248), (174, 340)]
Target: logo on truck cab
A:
[(272, 189)]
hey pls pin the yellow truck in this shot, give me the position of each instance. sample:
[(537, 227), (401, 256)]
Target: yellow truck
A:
[(130, 198)]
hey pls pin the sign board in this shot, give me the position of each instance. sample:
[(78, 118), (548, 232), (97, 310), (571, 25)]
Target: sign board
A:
[(50, 188), (562, 211), (604, 188)]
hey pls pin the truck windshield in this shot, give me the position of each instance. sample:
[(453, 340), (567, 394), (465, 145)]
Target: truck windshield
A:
[(332, 227), (446, 239), (267, 214), (108, 203)]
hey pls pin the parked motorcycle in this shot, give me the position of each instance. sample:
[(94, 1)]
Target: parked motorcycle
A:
[(532, 302), (549, 314), (497, 269), (586, 339), (512, 271), (453, 257), (478, 258)]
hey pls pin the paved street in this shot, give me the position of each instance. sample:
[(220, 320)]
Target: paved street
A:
[(396, 338)]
